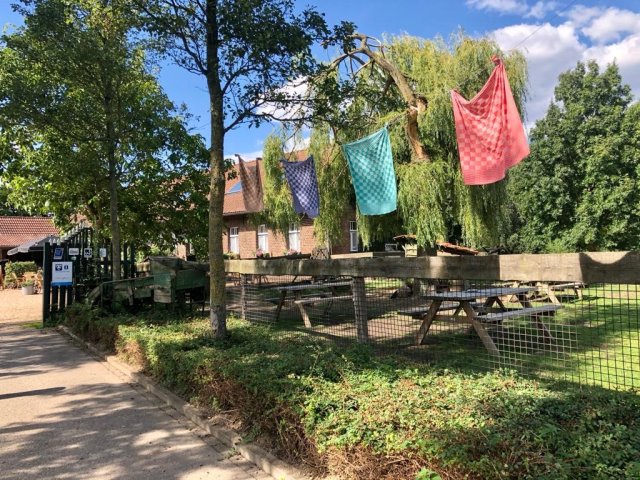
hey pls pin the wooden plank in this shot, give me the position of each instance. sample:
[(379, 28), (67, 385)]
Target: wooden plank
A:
[(487, 341), (187, 279), (418, 312), (426, 322), (313, 300), (163, 288), (519, 312), (594, 267), (360, 307)]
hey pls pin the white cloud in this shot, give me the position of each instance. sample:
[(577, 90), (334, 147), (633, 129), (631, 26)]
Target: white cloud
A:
[(292, 93), (581, 15), (247, 156), (540, 9), (296, 143), (516, 7), (611, 24), (503, 6), (587, 34), (549, 51), (626, 54)]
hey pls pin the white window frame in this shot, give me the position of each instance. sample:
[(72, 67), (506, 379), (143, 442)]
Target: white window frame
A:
[(354, 241), (294, 237), (234, 240), (263, 238)]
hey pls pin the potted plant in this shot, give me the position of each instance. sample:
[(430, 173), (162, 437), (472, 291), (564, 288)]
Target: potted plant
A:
[(27, 287), (262, 254), (292, 253)]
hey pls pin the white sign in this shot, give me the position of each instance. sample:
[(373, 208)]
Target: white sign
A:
[(62, 274), (103, 252), (74, 251), (88, 252)]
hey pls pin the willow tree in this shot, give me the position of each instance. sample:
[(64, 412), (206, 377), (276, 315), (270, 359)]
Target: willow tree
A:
[(405, 83)]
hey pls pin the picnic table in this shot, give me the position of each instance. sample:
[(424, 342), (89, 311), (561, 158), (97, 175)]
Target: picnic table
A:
[(326, 292), (490, 311)]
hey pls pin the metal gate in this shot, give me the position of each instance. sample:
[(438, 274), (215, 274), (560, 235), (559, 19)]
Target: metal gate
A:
[(76, 265)]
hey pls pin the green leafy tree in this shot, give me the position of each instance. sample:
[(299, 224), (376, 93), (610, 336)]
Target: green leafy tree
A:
[(247, 50), (86, 129), (578, 190)]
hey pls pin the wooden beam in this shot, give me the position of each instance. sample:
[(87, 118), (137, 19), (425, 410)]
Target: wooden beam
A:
[(592, 267)]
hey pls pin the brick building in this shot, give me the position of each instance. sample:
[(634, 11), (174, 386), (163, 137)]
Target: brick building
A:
[(244, 239)]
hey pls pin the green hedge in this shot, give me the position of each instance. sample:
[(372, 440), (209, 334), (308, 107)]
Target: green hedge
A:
[(347, 412), (19, 268)]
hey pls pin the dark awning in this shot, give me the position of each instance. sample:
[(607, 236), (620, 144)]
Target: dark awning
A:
[(33, 245)]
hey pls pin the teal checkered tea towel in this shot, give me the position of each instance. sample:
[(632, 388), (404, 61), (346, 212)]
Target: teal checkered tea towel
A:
[(371, 166)]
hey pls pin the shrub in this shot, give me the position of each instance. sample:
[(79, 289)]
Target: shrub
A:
[(89, 325), (20, 268), (344, 410)]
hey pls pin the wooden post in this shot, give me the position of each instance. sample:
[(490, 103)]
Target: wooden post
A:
[(243, 296), (360, 308), (46, 282), (62, 300)]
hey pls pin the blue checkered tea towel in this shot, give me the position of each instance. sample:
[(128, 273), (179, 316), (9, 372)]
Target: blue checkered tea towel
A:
[(301, 177), (371, 166)]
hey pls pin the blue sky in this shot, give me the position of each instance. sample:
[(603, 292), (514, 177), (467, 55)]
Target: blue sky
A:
[(553, 34)]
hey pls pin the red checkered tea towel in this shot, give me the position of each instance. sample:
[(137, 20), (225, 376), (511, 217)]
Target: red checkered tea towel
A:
[(489, 130)]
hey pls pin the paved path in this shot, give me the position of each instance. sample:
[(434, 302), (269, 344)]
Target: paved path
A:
[(64, 415)]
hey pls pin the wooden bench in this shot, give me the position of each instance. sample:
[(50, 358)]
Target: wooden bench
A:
[(314, 300), (551, 288), (518, 312), (276, 300), (419, 312)]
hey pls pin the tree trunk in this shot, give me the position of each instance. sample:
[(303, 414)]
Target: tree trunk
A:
[(416, 104), (113, 180), (217, 295)]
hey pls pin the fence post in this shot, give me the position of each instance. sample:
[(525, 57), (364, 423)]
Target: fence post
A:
[(243, 296), (46, 282), (62, 300), (360, 308)]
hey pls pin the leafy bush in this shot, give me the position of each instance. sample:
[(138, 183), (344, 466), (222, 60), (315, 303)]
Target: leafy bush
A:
[(88, 324), (347, 412), (20, 268)]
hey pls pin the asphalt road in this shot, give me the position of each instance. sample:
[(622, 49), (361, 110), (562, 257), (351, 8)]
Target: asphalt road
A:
[(64, 415)]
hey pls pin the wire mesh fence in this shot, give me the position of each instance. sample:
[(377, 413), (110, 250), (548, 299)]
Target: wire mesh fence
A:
[(585, 333)]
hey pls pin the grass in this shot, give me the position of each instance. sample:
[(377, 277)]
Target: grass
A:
[(345, 410), (35, 324), (596, 340)]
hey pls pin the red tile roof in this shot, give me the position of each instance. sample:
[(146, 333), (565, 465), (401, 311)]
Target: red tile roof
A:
[(17, 230)]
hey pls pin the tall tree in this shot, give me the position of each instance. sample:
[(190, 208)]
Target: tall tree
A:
[(89, 128), (247, 50), (578, 190)]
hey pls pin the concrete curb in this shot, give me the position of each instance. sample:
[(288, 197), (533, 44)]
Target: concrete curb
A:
[(255, 454)]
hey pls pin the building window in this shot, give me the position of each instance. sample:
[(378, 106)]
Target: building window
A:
[(234, 240), (294, 236), (354, 242), (263, 238)]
